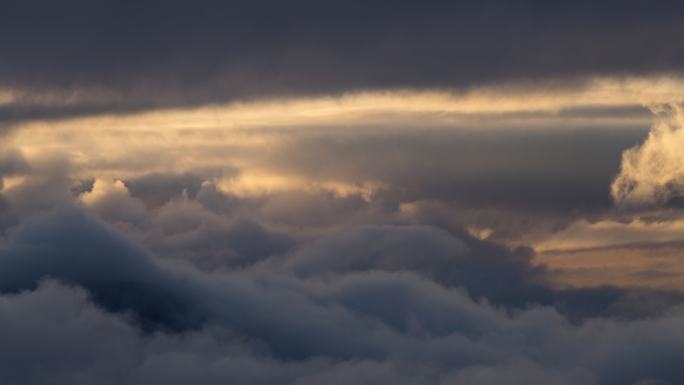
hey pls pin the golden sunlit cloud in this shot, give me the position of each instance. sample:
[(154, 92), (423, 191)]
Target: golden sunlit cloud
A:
[(9, 182), (653, 173), (608, 233), (256, 183), (101, 189), (657, 268), (635, 253), (216, 135)]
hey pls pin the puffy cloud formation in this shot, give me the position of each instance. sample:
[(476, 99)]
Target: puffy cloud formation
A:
[(370, 315), (653, 173), (311, 259), (307, 192)]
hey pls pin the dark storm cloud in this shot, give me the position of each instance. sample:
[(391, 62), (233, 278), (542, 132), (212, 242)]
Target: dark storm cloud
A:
[(170, 52)]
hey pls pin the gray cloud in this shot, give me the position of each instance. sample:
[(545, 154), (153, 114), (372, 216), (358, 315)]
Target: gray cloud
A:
[(156, 189), (122, 275), (126, 56), (357, 260), (531, 170), (394, 303), (12, 162), (184, 230), (56, 334)]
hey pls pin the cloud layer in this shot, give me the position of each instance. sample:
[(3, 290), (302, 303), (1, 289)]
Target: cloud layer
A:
[(79, 57), (311, 192), (278, 269), (367, 316)]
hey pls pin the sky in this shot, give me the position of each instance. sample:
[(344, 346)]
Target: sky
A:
[(341, 192)]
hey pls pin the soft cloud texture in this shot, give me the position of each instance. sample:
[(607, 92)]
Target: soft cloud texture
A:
[(256, 327), (311, 192), (313, 283), (653, 173), (81, 58)]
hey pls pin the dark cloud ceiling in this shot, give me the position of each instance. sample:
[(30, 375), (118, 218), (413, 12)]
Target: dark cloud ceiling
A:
[(142, 53)]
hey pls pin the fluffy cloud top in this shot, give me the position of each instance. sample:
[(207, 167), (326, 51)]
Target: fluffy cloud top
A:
[(377, 318), (653, 173)]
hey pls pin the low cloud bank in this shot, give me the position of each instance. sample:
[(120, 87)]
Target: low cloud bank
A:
[(84, 303)]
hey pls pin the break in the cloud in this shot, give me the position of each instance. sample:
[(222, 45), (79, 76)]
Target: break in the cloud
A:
[(640, 242), (177, 248), (483, 143)]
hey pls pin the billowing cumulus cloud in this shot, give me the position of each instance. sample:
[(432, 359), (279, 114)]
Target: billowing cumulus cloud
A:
[(311, 192), (653, 173), (171, 278), (391, 321)]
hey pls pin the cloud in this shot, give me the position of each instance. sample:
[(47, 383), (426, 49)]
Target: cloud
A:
[(413, 304), (636, 232), (519, 169), (124, 275), (161, 53), (641, 248), (429, 335), (45, 183), (436, 254), (185, 230), (333, 176), (156, 189), (12, 162), (178, 280), (305, 192), (111, 200), (653, 173)]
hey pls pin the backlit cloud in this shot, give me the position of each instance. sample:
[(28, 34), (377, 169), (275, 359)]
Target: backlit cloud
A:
[(307, 192)]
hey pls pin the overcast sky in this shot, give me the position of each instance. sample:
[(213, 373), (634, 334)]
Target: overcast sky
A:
[(340, 192)]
